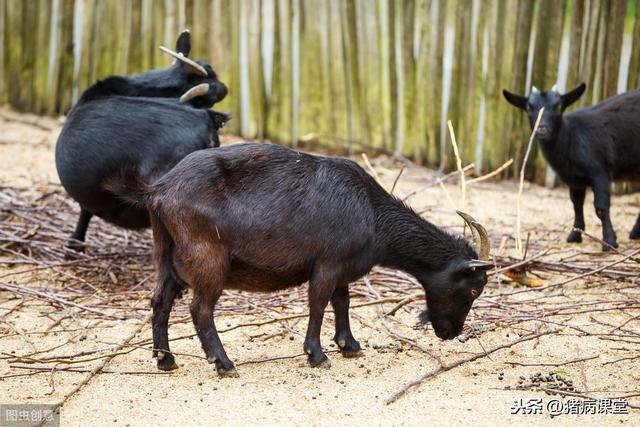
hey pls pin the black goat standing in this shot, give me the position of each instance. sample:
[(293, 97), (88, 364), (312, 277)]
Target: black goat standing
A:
[(261, 217), (588, 147), (135, 120)]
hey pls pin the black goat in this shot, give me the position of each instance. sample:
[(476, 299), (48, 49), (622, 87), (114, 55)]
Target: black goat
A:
[(100, 137), (588, 147), (135, 120), (261, 217)]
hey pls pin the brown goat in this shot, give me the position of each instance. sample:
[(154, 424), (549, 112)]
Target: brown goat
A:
[(260, 217)]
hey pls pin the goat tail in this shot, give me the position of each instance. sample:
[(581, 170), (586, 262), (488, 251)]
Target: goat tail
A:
[(129, 186)]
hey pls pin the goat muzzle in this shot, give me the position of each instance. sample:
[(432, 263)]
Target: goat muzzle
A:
[(191, 64), (480, 236)]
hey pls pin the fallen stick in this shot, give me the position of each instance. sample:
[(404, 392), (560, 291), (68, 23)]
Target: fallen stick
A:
[(97, 369), (569, 362), (404, 302), (521, 185), (395, 182), (28, 291), (437, 182), (491, 174), (446, 367), (602, 242), (49, 370), (521, 263), (579, 276), (372, 171)]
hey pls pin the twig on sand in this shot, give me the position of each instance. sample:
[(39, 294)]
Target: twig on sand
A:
[(409, 299), (602, 242), (579, 276), (372, 171), (520, 263), (395, 182), (98, 367), (521, 185), (568, 362), (438, 181), (44, 295), (448, 366), (491, 174)]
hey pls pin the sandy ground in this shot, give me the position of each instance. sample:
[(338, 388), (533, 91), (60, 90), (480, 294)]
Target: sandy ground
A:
[(352, 392)]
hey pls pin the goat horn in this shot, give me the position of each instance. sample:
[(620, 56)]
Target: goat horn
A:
[(480, 236), (195, 91), (193, 65), (534, 89)]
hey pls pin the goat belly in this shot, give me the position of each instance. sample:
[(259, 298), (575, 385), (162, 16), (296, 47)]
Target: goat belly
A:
[(246, 277)]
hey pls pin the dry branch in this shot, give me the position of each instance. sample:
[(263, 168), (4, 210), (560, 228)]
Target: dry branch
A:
[(521, 185), (98, 367), (448, 366)]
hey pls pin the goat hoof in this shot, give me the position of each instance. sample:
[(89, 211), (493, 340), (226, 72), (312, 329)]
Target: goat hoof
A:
[(610, 248), (75, 245), (349, 347), (574, 237), (324, 363), (167, 363), (350, 354), (227, 373)]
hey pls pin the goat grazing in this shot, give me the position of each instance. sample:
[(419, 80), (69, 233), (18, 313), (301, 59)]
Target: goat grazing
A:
[(588, 147), (261, 217), (135, 120)]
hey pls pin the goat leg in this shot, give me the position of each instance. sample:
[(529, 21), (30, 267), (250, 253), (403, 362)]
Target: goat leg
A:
[(343, 337), (577, 198), (321, 288), (76, 241), (162, 302), (602, 195), (635, 231), (202, 314)]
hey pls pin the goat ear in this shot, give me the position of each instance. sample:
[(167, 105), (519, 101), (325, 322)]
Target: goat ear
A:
[(572, 96), (183, 44), (515, 100)]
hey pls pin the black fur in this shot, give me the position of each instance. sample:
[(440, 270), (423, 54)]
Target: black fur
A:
[(588, 147), (149, 134), (262, 217), (133, 121)]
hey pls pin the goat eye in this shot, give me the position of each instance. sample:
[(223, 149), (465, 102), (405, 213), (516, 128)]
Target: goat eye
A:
[(474, 293)]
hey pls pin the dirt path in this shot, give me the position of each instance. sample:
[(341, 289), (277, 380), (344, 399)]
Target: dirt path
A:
[(286, 391)]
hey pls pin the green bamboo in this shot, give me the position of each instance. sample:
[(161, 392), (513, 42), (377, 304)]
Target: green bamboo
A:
[(371, 73), (613, 47), (634, 63)]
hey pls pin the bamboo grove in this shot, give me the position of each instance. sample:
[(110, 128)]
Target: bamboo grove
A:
[(370, 75)]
